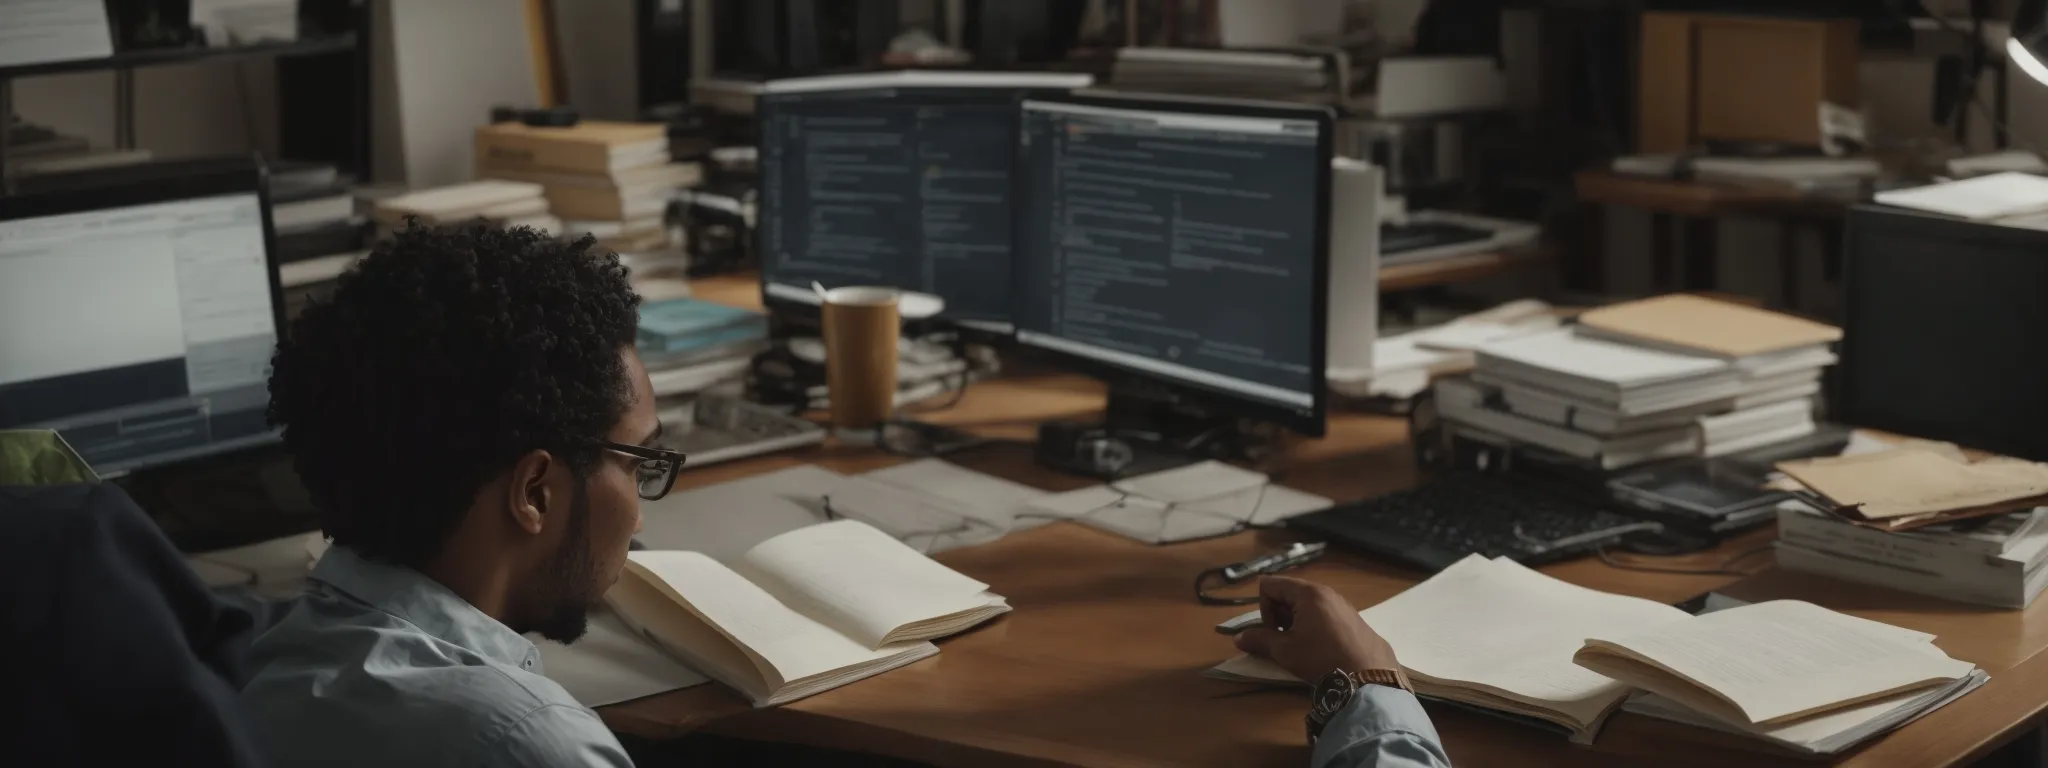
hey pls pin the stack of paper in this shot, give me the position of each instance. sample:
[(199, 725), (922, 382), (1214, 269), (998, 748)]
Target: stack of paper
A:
[(1985, 197), (608, 180), (1997, 561), (507, 203), (1658, 378), (1910, 488)]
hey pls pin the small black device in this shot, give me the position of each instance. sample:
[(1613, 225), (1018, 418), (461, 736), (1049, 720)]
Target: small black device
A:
[(1705, 497), (1416, 236), (540, 117), (1944, 325), (1457, 514)]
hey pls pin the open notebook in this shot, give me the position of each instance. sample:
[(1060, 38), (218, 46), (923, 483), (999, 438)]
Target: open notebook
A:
[(1497, 635), (804, 612), (1775, 664)]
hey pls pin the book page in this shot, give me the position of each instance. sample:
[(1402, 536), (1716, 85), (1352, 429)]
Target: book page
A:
[(788, 643), (1501, 625), (1775, 661), (862, 582)]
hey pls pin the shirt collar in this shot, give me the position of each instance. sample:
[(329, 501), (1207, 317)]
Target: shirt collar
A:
[(433, 608)]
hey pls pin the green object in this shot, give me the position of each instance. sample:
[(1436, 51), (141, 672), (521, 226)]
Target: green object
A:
[(40, 457)]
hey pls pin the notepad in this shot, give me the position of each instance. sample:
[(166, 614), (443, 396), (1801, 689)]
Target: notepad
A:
[(803, 612)]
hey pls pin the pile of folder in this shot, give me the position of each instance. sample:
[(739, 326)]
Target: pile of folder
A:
[(1667, 377), (609, 180), (1921, 518)]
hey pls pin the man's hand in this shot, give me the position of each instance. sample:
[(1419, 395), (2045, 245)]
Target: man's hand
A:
[(1310, 630)]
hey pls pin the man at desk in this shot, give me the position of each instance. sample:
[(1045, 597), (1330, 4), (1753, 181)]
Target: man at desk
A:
[(476, 430)]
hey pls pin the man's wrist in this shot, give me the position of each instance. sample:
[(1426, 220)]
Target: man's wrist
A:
[(1338, 689)]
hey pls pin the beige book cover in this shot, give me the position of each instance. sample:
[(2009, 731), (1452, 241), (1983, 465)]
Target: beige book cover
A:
[(1708, 325)]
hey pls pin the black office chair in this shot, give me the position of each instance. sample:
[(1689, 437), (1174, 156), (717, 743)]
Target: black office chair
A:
[(112, 645)]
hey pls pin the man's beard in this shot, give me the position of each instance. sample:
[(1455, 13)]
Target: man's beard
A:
[(569, 588)]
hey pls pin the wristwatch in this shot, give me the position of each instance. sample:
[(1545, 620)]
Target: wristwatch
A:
[(1338, 688)]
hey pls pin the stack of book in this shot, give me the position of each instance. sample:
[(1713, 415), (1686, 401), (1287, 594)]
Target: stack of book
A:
[(506, 203), (1660, 378), (1920, 520), (612, 181), (1495, 636), (1995, 561), (313, 212), (38, 150), (1269, 75), (689, 345)]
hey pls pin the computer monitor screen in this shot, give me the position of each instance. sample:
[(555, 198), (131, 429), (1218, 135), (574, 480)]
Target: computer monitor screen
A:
[(1183, 242), (899, 179), (1944, 331), (139, 323)]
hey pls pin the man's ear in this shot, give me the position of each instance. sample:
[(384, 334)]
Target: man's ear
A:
[(528, 496)]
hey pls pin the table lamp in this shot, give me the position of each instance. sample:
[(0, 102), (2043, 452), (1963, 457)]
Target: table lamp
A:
[(2029, 41)]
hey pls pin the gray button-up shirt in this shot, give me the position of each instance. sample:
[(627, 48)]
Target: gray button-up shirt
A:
[(378, 665), (1383, 728)]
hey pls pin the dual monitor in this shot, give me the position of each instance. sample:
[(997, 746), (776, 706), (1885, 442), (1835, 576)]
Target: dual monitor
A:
[(1179, 241)]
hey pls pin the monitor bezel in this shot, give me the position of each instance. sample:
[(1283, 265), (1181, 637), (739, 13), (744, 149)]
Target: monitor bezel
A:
[(1850, 399), (1314, 423), (227, 177)]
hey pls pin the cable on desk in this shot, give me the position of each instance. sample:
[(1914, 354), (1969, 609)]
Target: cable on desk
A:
[(1724, 568)]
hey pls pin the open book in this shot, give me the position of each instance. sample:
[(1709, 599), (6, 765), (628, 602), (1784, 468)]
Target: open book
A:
[(804, 612), (1775, 663), (1495, 634)]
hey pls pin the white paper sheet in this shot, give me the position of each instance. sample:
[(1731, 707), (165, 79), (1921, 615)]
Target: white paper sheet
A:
[(43, 31)]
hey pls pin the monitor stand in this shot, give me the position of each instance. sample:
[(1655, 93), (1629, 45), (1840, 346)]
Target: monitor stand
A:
[(1145, 429)]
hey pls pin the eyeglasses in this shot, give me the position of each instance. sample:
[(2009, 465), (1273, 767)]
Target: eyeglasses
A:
[(655, 472)]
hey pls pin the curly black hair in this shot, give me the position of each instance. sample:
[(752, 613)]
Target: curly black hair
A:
[(442, 357)]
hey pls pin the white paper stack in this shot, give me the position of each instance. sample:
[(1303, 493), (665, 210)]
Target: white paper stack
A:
[(1654, 379), (507, 203), (1995, 561)]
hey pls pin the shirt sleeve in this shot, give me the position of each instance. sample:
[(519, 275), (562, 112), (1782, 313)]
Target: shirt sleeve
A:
[(558, 735), (1382, 728)]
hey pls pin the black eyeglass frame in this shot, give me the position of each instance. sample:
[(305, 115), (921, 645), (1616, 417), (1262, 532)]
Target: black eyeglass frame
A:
[(674, 460)]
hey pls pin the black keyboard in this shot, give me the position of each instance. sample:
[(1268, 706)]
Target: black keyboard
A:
[(1401, 238), (1463, 513)]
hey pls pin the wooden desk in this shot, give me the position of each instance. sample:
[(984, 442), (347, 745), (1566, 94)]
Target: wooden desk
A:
[(1405, 277), (1099, 663), (1689, 209)]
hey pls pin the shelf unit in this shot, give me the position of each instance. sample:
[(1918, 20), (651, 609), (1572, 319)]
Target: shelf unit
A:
[(124, 66)]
